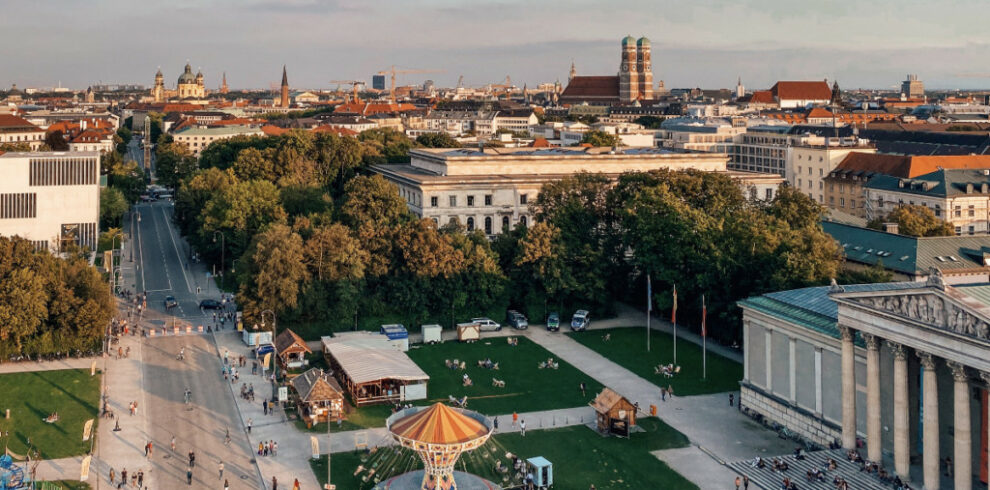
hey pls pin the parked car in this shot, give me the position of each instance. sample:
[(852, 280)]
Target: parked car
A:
[(210, 304), (580, 320), (170, 302), (487, 324), (516, 320), (553, 322)]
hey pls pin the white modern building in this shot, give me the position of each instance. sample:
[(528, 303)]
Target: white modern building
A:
[(198, 138), (491, 190), (51, 198)]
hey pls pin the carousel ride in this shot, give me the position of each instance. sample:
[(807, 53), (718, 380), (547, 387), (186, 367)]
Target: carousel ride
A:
[(12, 476), (439, 435)]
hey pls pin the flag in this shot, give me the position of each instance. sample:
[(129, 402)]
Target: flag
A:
[(673, 312), (704, 313)]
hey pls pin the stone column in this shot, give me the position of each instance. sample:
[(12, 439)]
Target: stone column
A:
[(848, 387), (961, 433), (874, 450), (902, 429), (986, 380), (930, 453)]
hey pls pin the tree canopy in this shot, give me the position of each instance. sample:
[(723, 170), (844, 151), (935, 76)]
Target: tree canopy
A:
[(600, 138), (914, 220)]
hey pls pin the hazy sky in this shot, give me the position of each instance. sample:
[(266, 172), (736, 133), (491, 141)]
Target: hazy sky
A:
[(862, 43)]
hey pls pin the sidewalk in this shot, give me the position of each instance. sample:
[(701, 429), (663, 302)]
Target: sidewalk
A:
[(34, 366)]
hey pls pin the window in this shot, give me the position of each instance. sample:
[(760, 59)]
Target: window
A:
[(842, 201), (958, 211), (831, 200), (831, 187), (852, 204), (505, 224), (454, 221), (821, 185), (434, 201), (799, 168), (523, 199), (488, 225), (809, 168), (938, 211), (800, 182), (958, 230), (972, 212), (522, 221), (488, 199), (470, 224), (821, 172), (470, 200), (769, 194), (752, 193), (453, 201), (972, 230)]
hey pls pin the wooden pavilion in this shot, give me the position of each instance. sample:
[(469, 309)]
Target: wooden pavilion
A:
[(319, 397), (291, 349), (373, 370), (616, 414)]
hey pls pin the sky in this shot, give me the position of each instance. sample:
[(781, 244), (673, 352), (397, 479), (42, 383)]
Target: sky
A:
[(696, 43)]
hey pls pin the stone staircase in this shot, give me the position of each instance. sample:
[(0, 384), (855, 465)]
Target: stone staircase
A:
[(767, 479)]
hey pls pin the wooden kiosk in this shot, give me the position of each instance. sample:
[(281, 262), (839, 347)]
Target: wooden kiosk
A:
[(616, 415), (291, 349)]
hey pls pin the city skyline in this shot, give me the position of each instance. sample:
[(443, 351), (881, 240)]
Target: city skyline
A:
[(707, 44)]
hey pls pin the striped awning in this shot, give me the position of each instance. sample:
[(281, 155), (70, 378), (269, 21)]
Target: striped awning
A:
[(439, 424)]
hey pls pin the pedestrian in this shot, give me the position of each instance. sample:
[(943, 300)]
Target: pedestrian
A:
[(189, 476), (226, 485), (120, 352), (112, 476), (123, 477), (140, 479), (495, 424), (663, 394), (738, 482), (745, 482), (249, 425), (275, 448), (261, 448), (582, 389), (173, 444), (522, 428), (274, 483), (265, 449), (221, 471), (515, 419), (192, 459), (295, 484), (948, 466), (670, 391), (731, 396), (127, 352)]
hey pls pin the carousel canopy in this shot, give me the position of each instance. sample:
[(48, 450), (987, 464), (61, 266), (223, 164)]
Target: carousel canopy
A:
[(439, 424)]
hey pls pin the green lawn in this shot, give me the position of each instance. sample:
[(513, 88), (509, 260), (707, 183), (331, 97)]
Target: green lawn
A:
[(359, 418), (627, 348), (580, 457), (64, 485), (527, 388), (31, 397)]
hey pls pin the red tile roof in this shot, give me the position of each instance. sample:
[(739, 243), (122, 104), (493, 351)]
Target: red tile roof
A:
[(10, 122), (540, 143), (819, 113), (762, 97), (907, 166), (368, 109), (270, 130), (791, 90), (334, 129), (592, 87)]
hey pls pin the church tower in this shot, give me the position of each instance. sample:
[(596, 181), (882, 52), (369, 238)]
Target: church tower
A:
[(573, 72), (284, 100), (223, 84), (644, 67), (628, 76), (740, 90), (158, 93)]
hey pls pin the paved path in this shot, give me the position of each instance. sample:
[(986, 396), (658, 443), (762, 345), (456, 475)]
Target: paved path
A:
[(33, 366)]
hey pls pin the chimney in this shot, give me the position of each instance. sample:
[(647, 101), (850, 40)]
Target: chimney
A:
[(82, 125), (890, 228)]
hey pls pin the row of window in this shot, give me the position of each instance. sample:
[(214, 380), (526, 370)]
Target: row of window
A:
[(470, 224), (29, 137), (62, 171), (435, 200), (821, 172), (21, 205)]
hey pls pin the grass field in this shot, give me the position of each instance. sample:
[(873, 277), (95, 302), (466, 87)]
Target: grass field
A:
[(31, 397), (527, 388), (65, 485), (580, 457), (359, 418), (627, 348)]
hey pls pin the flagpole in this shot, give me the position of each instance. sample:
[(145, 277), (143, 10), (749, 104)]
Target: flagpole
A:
[(704, 339), (649, 309), (673, 319)]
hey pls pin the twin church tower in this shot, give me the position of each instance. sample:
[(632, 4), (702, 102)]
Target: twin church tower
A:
[(636, 70)]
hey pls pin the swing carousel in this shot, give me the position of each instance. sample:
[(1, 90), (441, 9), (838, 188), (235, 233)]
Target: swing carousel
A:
[(439, 434)]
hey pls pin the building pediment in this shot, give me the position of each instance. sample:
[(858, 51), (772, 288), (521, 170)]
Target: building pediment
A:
[(931, 307)]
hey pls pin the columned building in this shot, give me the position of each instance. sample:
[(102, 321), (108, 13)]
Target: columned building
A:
[(903, 366)]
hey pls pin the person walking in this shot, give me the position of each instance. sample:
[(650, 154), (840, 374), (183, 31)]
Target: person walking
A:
[(731, 399), (226, 485), (515, 419), (295, 484), (123, 477), (249, 425), (189, 476), (275, 448), (274, 483), (582, 389), (745, 482), (173, 444), (221, 472), (522, 428), (738, 482), (112, 476), (140, 479), (495, 424)]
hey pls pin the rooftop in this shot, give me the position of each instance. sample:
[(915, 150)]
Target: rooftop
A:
[(217, 130), (941, 183)]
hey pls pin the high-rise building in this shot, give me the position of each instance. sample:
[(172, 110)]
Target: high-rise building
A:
[(378, 82), (912, 87), (284, 99)]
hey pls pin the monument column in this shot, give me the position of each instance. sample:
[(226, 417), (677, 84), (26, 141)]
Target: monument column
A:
[(873, 438), (848, 387), (930, 452), (902, 430), (961, 433)]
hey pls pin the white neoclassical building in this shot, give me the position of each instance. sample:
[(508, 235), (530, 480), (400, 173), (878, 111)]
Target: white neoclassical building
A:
[(903, 366)]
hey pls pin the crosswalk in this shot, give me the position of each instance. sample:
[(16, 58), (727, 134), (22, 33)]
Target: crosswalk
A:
[(768, 479)]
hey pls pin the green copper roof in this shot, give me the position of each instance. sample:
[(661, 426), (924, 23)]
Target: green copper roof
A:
[(628, 40)]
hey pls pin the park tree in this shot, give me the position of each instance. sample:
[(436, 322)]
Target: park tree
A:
[(240, 212), (649, 122), (372, 200), (113, 205), (223, 153), (126, 176), (333, 253), (276, 270), (915, 220), (385, 145), (600, 138), (56, 141), (252, 163), (541, 257), (337, 159), (437, 140), (10, 147), (174, 163), (195, 192)]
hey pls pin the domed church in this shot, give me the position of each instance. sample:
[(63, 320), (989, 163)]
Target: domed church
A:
[(189, 86)]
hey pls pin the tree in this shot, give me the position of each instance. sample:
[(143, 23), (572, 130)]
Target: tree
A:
[(437, 140), (125, 176), (541, 255), (334, 254), (915, 220), (600, 138), (866, 275), (240, 212), (649, 122), (174, 163), (374, 201), (276, 271), (113, 205), (384, 145), (5, 147), (56, 141)]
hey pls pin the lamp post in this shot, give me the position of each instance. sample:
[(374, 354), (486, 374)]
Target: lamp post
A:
[(222, 256)]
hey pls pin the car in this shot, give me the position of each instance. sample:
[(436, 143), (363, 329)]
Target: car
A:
[(516, 319), (170, 302), (553, 322), (146, 198), (580, 320), (487, 324), (210, 304)]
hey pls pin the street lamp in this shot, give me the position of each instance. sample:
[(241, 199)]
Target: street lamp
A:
[(222, 256)]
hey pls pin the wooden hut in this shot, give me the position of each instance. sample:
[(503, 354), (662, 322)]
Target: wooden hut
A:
[(616, 414), (291, 349), (319, 397)]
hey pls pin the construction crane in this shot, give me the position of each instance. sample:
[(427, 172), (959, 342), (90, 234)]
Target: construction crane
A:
[(354, 87), (393, 72)]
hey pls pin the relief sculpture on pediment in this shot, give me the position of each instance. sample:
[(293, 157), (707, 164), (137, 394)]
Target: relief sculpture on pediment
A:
[(932, 310)]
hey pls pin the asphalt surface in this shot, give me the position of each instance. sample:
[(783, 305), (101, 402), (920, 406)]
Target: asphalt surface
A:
[(199, 426)]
